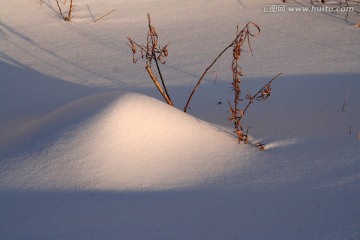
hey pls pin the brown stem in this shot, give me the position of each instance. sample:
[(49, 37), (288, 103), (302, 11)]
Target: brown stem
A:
[(60, 12), (158, 86), (153, 54), (203, 75), (70, 11), (215, 60), (256, 94), (104, 15), (162, 80)]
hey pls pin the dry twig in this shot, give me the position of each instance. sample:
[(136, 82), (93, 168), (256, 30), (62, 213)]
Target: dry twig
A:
[(152, 52), (236, 113), (108, 13), (60, 12), (71, 8), (244, 34)]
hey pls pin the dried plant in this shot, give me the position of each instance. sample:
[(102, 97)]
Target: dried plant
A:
[(236, 112), (152, 52), (241, 37), (60, 11), (68, 17)]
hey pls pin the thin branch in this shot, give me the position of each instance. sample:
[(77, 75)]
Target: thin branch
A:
[(152, 52), (162, 81), (60, 12), (92, 16), (203, 75), (71, 8), (156, 82), (154, 41), (104, 15), (259, 92), (215, 60)]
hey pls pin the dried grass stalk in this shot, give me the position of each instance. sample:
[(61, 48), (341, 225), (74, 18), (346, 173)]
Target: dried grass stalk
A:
[(108, 13), (158, 86), (152, 52), (71, 8), (239, 40), (60, 12), (237, 113)]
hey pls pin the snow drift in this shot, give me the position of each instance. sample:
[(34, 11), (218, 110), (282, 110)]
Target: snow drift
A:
[(123, 140)]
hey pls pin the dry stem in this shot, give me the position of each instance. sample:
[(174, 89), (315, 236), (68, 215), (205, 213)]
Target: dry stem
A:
[(104, 15), (264, 91), (202, 77), (60, 12), (71, 8), (246, 31), (152, 52), (156, 82)]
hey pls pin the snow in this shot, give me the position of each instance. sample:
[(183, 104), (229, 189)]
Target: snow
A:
[(89, 143), (89, 150)]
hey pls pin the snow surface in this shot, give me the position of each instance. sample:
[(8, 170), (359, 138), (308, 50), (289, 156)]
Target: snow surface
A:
[(132, 143), (88, 149)]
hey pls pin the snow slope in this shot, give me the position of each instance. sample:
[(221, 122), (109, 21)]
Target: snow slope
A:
[(88, 152), (123, 141)]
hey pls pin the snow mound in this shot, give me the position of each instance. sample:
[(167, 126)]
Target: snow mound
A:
[(124, 141)]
